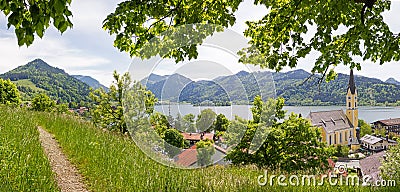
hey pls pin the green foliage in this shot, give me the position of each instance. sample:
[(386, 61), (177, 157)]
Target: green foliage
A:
[(188, 123), (380, 132), (174, 142), (143, 21), (23, 164), (42, 102), (342, 151), (221, 123), (256, 110), (365, 128), (205, 120), (32, 18), (390, 168), (9, 93), (108, 110), (277, 40), (290, 145), (205, 150), (160, 123)]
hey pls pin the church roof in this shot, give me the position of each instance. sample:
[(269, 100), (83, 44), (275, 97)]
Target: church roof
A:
[(352, 85), (330, 120)]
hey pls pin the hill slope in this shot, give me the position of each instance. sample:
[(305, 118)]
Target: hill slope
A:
[(38, 76), (93, 83), (243, 87)]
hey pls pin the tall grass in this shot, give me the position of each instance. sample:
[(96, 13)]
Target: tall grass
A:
[(23, 165), (111, 162)]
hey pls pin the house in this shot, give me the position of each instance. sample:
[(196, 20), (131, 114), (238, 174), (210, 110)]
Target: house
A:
[(374, 143), (390, 125), (193, 138), (338, 127), (188, 157), (370, 165)]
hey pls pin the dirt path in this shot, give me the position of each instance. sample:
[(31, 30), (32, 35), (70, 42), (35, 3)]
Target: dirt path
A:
[(67, 176)]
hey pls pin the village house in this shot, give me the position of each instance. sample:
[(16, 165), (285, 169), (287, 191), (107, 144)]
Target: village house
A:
[(370, 165), (338, 127), (390, 125), (193, 138), (188, 157), (374, 143)]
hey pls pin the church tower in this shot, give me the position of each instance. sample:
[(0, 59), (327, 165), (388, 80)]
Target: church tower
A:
[(351, 103)]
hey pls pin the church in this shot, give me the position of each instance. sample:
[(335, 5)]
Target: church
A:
[(339, 127)]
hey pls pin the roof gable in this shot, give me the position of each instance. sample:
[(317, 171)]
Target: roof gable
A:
[(330, 120)]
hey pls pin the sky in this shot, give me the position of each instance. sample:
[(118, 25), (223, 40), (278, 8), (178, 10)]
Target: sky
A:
[(87, 49)]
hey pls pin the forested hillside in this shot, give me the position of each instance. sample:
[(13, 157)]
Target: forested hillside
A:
[(37, 76)]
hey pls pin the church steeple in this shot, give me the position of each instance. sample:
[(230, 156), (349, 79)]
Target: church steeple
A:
[(352, 85), (351, 103)]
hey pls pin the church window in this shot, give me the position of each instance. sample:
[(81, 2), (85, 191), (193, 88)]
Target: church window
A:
[(349, 104)]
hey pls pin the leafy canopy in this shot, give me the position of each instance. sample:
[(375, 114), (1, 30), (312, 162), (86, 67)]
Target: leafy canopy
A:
[(341, 31), (33, 17), (289, 144), (42, 102), (9, 93)]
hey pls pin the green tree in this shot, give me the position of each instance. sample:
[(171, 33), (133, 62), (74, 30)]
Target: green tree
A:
[(389, 168), (380, 132), (108, 109), (175, 142), (257, 109), (178, 122), (160, 123), (205, 150), (221, 123), (365, 128), (32, 18), (342, 150), (42, 102), (205, 120), (9, 93), (188, 124), (291, 144), (277, 40)]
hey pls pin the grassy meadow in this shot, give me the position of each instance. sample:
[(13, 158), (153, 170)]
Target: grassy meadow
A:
[(111, 162), (23, 165)]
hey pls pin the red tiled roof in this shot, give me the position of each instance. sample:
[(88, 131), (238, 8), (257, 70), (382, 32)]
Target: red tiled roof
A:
[(196, 136), (187, 157), (390, 122)]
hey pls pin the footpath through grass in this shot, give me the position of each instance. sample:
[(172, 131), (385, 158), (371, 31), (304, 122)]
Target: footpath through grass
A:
[(113, 163), (110, 162), (23, 165)]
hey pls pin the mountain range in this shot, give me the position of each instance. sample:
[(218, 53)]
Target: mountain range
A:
[(37, 76), (242, 87)]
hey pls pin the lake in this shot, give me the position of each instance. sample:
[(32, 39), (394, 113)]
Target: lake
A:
[(367, 113)]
